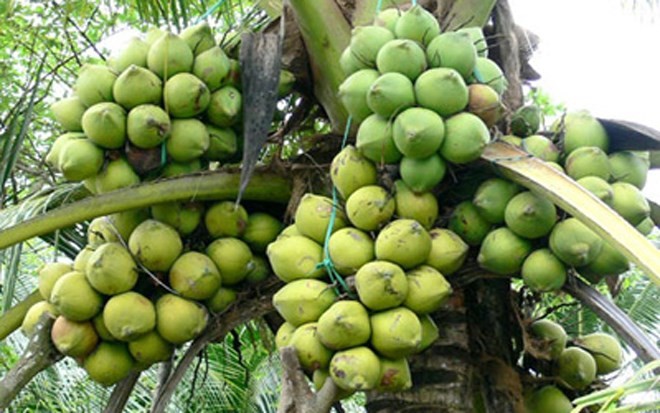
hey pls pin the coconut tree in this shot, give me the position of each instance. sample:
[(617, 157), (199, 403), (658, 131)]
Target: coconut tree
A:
[(474, 364)]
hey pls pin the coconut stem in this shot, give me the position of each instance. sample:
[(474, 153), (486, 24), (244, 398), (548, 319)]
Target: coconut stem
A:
[(13, 318)]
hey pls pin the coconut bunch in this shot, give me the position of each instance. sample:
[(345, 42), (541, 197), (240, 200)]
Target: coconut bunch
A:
[(422, 98), (359, 326), (165, 104), (148, 281), (574, 364)]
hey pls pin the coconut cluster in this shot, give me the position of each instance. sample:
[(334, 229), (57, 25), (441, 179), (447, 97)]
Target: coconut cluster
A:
[(148, 281), (518, 231), (422, 98), (575, 364), (389, 263), (166, 104)]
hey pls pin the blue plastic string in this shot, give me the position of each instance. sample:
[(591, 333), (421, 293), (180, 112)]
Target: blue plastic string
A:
[(210, 11), (414, 2), (379, 6)]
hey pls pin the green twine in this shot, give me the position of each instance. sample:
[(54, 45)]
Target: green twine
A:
[(414, 2), (379, 6), (327, 263), (210, 11)]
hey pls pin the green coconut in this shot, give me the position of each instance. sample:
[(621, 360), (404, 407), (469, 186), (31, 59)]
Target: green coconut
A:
[(188, 140), (49, 273), (366, 41), (73, 338), (422, 207), (226, 219), (199, 37), (512, 140), (211, 67), (401, 56), (394, 375), (80, 262), (109, 363), (102, 331), (169, 55), (599, 187), (178, 319), (381, 285), (129, 315), (283, 335), (185, 95), (321, 376), (355, 369), (448, 251), (574, 243), (303, 301), (375, 141), (548, 399), (137, 86), (233, 258), (576, 368), (150, 348), (223, 143), (370, 207), (389, 94), (605, 349), (530, 215), (344, 325), (111, 269), (185, 217), (194, 275), (418, 132), (80, 159), (430, 332), (153, 34), (225, 108), (349, 249), (404, 242), (542, 271), (556, 166), (294, 257), (261, 230), (350, 63), (478, 39), (221, 300), (526, 120), (53, 156), (314, 214), (233, 78), (587, 161), (94, 84), (422, 174), (260, 270), (467, 222), (442, 90), (147, 126), (629, 202), (541, 147), (628, 167), (100, 231), (503, 252), (453, 50), (484, 102), (552, 335), (396, 332), (427, 290), (350, 171), (68, 113), (353, 93), (312, 354), (610, 261), (486, 71), (491, 198), (155, 245), (417, 24), (466, 137), (578, 129), (646, 226), (74, 297), (387, 18), (289, 231), (116, 174), (34, 313), (133, 52)]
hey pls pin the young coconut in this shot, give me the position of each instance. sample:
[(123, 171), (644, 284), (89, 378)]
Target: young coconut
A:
[(33, 315), (574, 243), (453, 50), (111, 269), (261, 230), (344, 325), (194, 275), (366, 41), (548, 399), (355, 369), (294, 257), (467, 222), (73, 338), (188, 140), (147, 126), (394, 375), (526, 121), (186, 96), (430, 332), (169, 55), (541, 147), (478, 39), (134, 52), (53, 156), (232, 257), (350, 63), (350, 249), (350, 170), (466, 136), (530, 215), (185, 217), (491, 198), (542, 271), (396, 332), (155, 244), (353, 93), (79, 159), (223, 144), (427, 290), (381, 285), (404, 242), (389, 94), (418, 133), (579, 129), (629, 202), (68, 113), (503, 252), (283, 335), (312, 354), (116, 174), (226, 219), (225, 108), (599, 187), (150, 348), (576, 368), (370, 207), (402, 56), (178, 319), (109, 363), (80, 262), (442, 90), (486, 71), (587, 161), (484, 102), (134, 79), (417, 24), (74, 297), (199, 37), (49, 273), (303, 301), (211, 67), (422, 207), (129, 315), (552, 336), (94, 84), (375, 141), (626, 166), (605, 349), (313, 216), (448, 251), (221, 300), (422, 174)]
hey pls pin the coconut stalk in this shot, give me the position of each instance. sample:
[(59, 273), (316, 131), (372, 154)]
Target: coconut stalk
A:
[(13, 318), (207, 186), (326, 33), (121, 393), (38, 355)]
